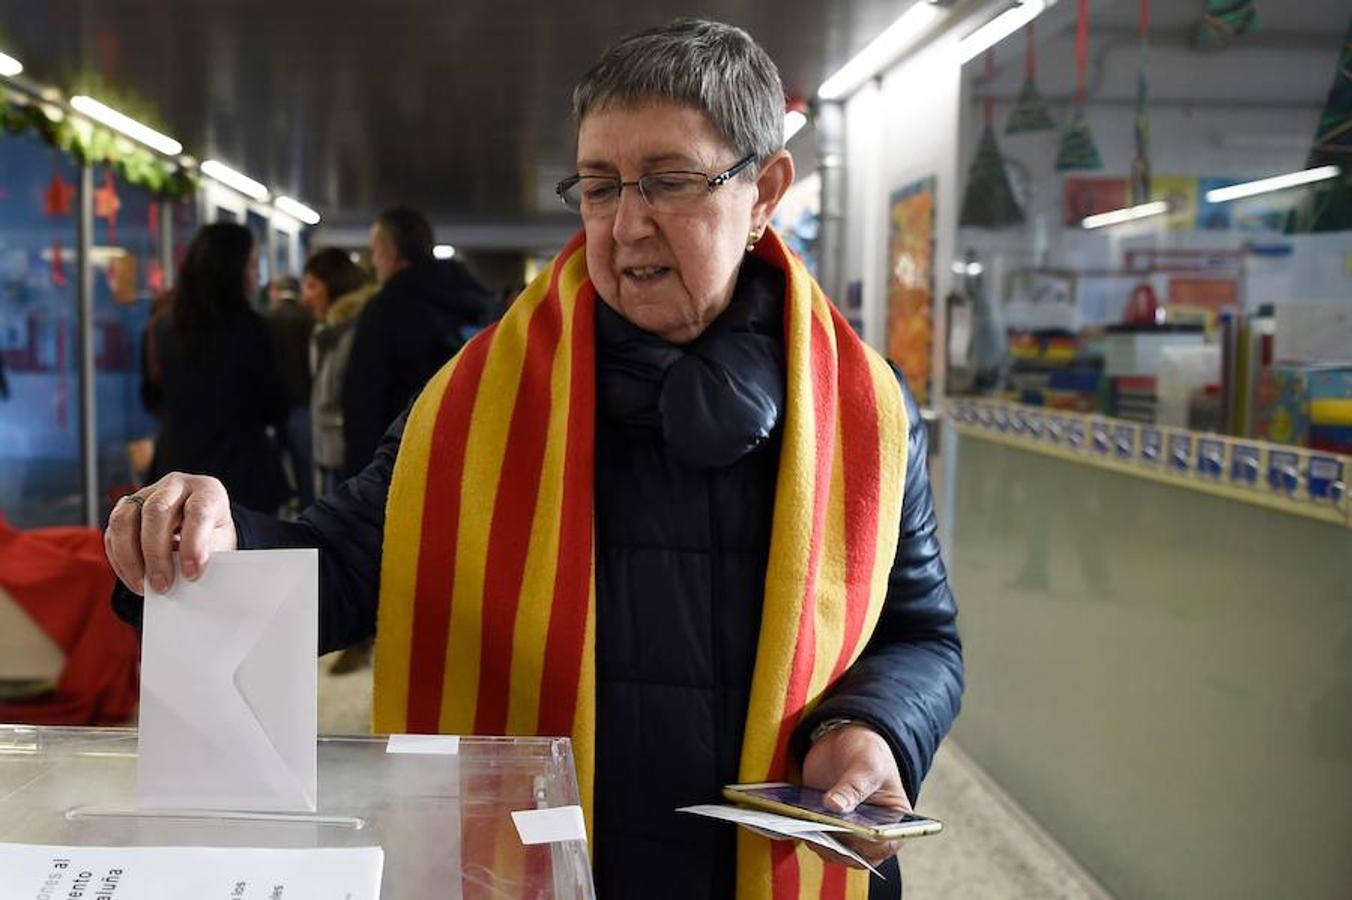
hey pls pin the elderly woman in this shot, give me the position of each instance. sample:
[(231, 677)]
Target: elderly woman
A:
[(670, 505)]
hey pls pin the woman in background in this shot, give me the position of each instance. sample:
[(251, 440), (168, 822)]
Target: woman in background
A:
[(334, 289), (219, 380)]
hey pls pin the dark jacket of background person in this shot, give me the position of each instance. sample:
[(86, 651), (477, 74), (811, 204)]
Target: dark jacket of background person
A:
[(682, 546), (420, 318), (330, 350), (289, 326), (219, 400)]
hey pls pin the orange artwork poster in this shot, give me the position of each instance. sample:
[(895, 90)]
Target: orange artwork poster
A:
[(910, 283)]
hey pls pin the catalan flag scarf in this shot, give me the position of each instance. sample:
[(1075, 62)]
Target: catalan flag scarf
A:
[(488, 592)]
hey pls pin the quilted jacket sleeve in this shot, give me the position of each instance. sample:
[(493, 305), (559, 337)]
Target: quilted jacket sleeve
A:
[(347, 527), (907, 685)]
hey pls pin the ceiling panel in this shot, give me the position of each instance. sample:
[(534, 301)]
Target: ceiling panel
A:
[(458, 108)]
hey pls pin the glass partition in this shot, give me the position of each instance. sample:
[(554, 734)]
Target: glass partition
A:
[(1118, 250), (40, 469), (184, 228), (127, 276)]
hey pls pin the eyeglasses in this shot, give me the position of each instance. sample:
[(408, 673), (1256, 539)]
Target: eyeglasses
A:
[(664, 192)]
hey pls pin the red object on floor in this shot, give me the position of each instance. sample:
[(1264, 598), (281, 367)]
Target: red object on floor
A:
[(61, 578)]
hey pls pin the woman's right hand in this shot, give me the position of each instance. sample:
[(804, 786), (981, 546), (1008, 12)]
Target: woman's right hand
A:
[(141, 531)]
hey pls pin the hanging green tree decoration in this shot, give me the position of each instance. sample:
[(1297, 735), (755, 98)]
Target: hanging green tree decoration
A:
[(92, 145), (1327, 205), (1224, 21), (989, 200), (1031, 112), (1140, 164), (1078, 150)]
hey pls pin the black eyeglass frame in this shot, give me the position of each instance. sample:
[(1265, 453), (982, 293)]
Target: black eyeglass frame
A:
[(715, 181)]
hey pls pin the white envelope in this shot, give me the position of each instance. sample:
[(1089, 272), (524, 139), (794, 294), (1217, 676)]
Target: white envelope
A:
[(228, 686)]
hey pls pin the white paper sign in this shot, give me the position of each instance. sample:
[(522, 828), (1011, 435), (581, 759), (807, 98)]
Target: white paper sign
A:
[(228, 708), (424, 744), (549, 826), (173, 873)]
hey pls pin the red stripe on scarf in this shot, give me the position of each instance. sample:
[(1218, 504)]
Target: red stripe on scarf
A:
[(784, 870), (822, 369), (514, 512), (440, 530), (859, 444), (834, 881), (566, 640)]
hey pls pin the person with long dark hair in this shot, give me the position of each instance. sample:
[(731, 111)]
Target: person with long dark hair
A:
[(221, 387)]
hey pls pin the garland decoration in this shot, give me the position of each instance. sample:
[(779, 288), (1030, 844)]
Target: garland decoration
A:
[(94, 145)]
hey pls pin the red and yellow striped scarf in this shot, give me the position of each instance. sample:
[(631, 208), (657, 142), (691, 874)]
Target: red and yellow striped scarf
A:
[(488, 591)]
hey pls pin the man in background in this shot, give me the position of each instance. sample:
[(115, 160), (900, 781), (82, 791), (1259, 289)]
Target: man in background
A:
[(424, 312)]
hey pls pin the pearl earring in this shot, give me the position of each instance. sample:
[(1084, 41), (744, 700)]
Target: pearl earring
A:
[(751, 244)]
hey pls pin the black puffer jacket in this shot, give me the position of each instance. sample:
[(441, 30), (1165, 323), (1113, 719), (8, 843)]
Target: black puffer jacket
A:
[(417, 321), (685, 474)]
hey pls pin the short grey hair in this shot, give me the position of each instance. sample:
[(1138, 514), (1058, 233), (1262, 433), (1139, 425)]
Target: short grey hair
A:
[(715, 68)]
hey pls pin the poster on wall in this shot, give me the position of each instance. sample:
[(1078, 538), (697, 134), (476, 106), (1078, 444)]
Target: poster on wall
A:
[(1180, 192), (1090, 196), (1261, 214), (910, 283)]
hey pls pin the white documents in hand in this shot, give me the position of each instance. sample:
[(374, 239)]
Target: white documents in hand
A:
[(781, 828), (173, 873), (228, 686)]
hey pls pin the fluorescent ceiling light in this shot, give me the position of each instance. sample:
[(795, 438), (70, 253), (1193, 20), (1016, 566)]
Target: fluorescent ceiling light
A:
[(885, 48), (999, 28), (130, 127), (1275, 183), (9, 66), (1130, 214), (297, 210), (443, 251), (229, 177), (793, 123)]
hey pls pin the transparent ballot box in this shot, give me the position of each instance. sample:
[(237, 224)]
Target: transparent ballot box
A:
[(444, 820)]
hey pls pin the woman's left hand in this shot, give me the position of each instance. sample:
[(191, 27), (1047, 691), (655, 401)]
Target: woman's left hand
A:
[(853, 765)]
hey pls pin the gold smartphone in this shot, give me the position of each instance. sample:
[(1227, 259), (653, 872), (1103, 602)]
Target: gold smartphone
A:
[(874, 823)]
